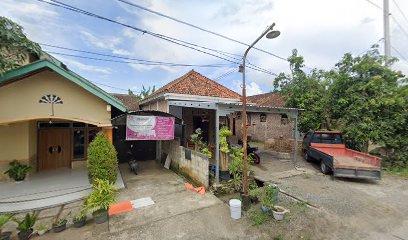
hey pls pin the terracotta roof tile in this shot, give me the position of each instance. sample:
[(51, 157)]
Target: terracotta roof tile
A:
[(129, 101), (193, 83), (267, 99)]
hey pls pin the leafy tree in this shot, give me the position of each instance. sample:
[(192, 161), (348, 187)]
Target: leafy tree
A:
[(364, 99), (14, 45), (306, 91), (144, 93)]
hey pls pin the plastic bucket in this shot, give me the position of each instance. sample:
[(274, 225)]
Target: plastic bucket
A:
[(235, 208)]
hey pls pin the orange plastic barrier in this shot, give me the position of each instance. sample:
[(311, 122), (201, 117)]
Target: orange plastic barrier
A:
[(200, 190), (120, 208)]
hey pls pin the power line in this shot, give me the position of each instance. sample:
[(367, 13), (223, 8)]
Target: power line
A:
[(105, 85), (225, 74), (392, 17), (375, 5), (399, 25), (400, 10), (199, 28), (163, 37), (400, 54), (137, 61)]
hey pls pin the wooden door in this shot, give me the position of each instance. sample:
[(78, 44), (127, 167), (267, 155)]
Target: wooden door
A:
[(54, 148)]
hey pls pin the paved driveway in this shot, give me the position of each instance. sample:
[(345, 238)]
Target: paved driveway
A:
[(178, 213), (357, 209)]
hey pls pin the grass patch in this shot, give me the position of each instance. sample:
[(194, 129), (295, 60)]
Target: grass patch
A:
[(402, 172), (257, 216), (279, 237)]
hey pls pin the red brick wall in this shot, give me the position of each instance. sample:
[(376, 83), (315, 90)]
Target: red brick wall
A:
[(283, 145), (274, 127)]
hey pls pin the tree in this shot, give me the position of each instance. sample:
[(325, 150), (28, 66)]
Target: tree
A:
[(102, 160), (14, 45), (364, 99), (144, 93), (306, 91)]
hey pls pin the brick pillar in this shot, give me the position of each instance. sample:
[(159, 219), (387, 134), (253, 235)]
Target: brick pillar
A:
[(108, 131)]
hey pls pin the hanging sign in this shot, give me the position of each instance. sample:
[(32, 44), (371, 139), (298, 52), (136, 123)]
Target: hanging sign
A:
[(149, 128)]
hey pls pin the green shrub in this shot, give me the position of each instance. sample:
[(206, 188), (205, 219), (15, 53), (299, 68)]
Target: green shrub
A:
[(4, 218), (17, 171), (257, 216), (102, 159), (102, 196), (27, 223)]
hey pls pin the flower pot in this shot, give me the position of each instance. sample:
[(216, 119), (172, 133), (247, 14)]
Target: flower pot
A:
[(79, 224), (41, 232), (100, 216), (24, 235), (279, 212), (5, 236), (59, 228)]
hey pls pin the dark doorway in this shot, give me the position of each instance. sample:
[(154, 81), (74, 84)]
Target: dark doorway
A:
[(132, 150), (203, 124)]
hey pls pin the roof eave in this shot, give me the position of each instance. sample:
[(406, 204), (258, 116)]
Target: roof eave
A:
[(45, 63)]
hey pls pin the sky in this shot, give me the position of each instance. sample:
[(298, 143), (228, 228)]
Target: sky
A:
[(321, 30)]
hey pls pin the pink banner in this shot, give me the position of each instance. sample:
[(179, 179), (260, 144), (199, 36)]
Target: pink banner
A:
[(149, 128)]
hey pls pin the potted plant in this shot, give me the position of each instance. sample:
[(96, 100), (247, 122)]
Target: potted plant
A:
[(254, 194), (102, 196), (80, 220), (59, 224), (17, 171), (279, 212), (41, 229), (4, 218), (25, 226), (268, 197)]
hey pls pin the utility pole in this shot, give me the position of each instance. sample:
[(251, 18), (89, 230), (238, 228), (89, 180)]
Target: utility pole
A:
[(387, 41)]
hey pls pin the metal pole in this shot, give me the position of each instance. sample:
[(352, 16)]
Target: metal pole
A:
[(217, 147), (296, 139), (244, 115), (387, 41)]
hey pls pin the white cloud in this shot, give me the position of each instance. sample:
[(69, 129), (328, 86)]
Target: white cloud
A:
[(253, 89), (85, 67), (104, 42)]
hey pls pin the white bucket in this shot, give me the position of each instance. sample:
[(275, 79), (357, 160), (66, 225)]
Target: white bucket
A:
[(235, 207)]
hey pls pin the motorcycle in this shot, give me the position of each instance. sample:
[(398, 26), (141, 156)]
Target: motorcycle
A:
[(251, 151)]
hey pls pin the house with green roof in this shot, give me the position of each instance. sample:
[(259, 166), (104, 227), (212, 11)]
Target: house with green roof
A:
[(50, 114)]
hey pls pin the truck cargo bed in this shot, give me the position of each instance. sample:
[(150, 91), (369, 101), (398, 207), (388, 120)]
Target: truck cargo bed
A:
[(350, 163)]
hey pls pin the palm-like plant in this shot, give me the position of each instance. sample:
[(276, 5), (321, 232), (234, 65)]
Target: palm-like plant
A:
[(17, 171)]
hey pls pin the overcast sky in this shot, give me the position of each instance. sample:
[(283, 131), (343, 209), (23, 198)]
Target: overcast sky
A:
[(321, 30)]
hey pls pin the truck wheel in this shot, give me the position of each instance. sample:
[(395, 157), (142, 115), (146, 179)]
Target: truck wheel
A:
[(324, 168), (306, 157)]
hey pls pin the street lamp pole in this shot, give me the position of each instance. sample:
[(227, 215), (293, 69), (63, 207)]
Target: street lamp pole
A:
[(269, 34)]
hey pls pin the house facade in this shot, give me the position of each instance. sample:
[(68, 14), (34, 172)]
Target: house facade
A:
[(264, 126), (49, 115), (203, 103)]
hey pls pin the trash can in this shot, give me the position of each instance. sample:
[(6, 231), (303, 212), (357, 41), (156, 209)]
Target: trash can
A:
[(235, 208)]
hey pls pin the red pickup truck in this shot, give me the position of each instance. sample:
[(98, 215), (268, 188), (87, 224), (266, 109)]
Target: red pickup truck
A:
[(328, 148)]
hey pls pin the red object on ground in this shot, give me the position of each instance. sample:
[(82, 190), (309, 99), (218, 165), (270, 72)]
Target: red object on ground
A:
[(120, 208), (200, 190)]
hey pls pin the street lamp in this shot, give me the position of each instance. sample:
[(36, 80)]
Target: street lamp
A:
[(270, 34)]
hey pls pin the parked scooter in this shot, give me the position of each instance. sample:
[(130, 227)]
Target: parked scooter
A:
[(251, 151), (133, 165)]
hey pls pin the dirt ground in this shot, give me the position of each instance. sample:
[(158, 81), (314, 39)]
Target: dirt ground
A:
[(346, 208)]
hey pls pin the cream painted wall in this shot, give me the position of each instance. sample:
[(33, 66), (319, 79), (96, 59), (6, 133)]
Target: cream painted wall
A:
[(14, 145), (19, 101)]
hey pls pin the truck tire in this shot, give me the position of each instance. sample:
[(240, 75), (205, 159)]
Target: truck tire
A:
[(324, 168), (306, 156)]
